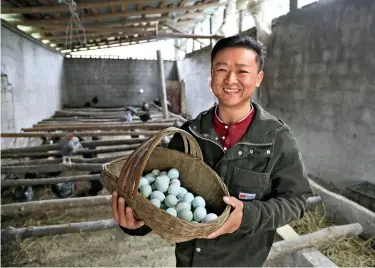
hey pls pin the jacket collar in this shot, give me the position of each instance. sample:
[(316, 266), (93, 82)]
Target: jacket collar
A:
[(262, 129)]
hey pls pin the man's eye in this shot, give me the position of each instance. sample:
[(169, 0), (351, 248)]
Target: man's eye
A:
[(221, 70), (244, 72)]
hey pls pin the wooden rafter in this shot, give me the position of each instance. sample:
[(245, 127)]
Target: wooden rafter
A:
[(141, 12), (124, 23), (63, 7)]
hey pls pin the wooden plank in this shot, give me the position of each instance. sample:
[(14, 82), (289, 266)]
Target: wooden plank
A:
[(50, 147), (64, 8), (45, 181), (81, 134), (53, 204), (51, 230), (58, 161), (149, 126), (141, 12), (113, 149), (72, 122), (51, 168), (309, 240)]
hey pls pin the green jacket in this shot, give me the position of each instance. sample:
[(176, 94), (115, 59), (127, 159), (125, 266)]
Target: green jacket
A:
[(267, 164)]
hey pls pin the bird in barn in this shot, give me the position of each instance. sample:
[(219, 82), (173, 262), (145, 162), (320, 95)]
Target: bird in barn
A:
[(158, 102), (23, 193), (64, 189), (95, 100), (68, 147), (145, 116), (145, 106)]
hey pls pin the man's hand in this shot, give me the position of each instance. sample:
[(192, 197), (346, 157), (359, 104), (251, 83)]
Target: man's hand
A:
[(123, 214), (234, 220)]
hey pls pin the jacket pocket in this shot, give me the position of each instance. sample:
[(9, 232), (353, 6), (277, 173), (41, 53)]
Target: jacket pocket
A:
[(247, 185)]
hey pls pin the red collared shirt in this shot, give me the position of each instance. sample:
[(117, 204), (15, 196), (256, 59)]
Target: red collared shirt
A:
[(231, 134)]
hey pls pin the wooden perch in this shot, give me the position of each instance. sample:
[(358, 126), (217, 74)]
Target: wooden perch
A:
[(54, 204), (44, 181), (59, 160), (51, 230), (82, 134), (51, 168), (120, 123), (130, 126), (112, 149), (85, 144), (309, 240)]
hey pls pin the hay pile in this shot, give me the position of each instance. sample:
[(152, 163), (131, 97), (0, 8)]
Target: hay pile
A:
[(346, 252)]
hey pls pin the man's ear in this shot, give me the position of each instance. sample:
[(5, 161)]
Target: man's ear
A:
[(260, 76)]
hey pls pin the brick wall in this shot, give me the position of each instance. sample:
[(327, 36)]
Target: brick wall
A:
[(319, 79), (116, 82)]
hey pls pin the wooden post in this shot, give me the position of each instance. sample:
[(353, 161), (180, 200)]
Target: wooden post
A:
[(163, 89), (293, 5)]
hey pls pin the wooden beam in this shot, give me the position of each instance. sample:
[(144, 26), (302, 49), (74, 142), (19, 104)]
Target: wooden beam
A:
[(110, 31), (65, 8), (93, 123), (309, 240), (53, 204), (141, 12), (183, 2), (51, 168), (111, 24), (47, 181), (130, 126), (50, 147), (82, 134), (112, 149), (58, 161), (50, 230)]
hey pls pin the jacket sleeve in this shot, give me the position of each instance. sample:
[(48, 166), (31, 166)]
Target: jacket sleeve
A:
[(290, 189), (175, 144)]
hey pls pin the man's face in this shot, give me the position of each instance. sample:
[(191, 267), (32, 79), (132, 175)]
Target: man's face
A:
[(234, 76)]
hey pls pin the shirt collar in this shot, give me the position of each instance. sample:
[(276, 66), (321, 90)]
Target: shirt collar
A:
[(235, 123)]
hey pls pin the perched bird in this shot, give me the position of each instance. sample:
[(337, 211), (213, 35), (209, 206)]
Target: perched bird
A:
[(145, 116), (68, 147), (158, 102), (64, 189), (95, 100), (24, 193), (145, 106)]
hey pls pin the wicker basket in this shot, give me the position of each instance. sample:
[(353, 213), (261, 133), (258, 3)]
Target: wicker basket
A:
[(123, 175)]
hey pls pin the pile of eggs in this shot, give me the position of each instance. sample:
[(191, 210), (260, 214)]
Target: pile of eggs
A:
[(164, 190)]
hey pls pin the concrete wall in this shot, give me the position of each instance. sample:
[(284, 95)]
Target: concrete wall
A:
[(319, 79), (31, 82), (115, 82), (195, 71)]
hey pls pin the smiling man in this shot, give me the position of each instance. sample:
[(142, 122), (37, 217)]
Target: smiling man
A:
[(252, 151)]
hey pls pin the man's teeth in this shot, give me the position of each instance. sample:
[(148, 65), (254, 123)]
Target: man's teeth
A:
[(231, 90)]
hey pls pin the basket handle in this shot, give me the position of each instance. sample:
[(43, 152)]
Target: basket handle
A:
[(132, 170)]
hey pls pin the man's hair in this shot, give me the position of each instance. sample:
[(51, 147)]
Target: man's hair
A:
[(238, 41)]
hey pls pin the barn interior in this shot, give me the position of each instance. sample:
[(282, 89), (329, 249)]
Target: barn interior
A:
[(70, 66)]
